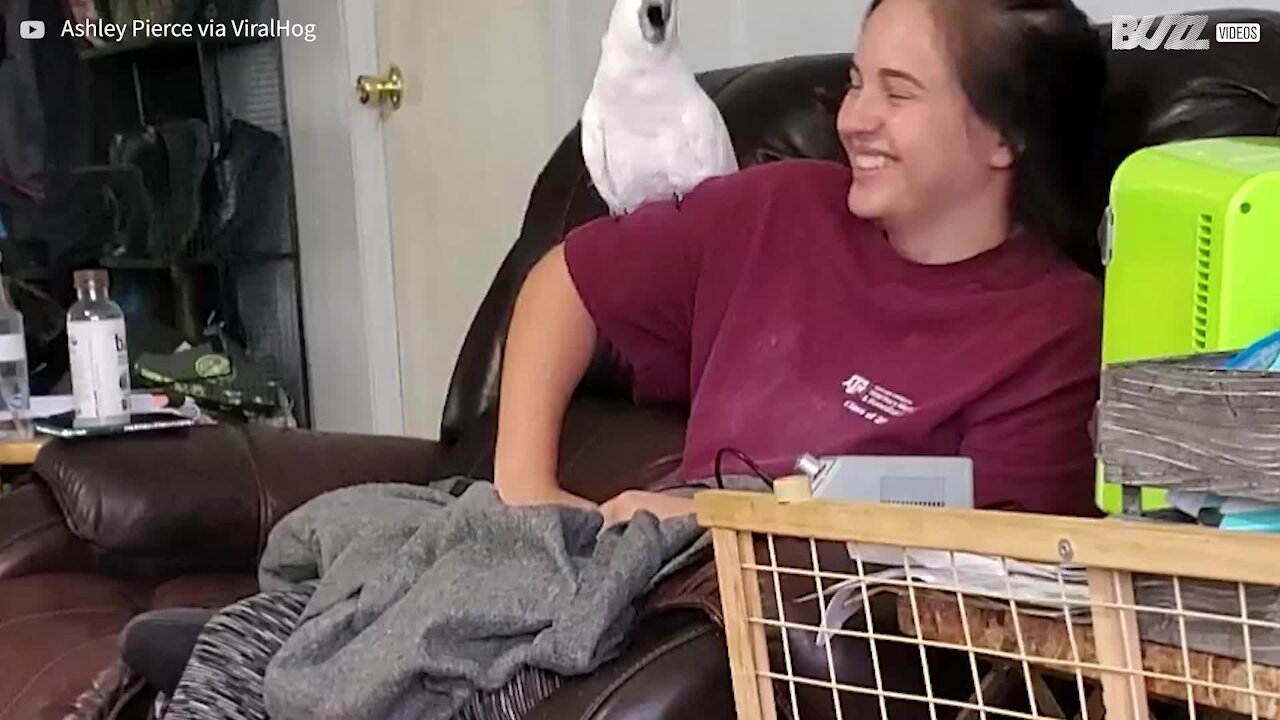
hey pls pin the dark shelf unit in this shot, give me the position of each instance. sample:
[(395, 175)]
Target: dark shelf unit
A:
[(247, 276)]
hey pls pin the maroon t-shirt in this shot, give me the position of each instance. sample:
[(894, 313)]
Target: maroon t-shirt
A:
[(789, 326)]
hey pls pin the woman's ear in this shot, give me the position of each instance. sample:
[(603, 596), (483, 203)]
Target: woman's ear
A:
[(1004, 153)]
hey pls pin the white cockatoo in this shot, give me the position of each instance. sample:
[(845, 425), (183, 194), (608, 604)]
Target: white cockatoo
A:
[(649, 131)]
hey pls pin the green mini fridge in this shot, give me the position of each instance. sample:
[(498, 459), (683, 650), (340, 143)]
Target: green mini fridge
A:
[(1191, 246)]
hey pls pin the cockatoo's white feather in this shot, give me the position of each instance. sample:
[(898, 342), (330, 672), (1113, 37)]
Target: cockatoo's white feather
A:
[(649, 131)]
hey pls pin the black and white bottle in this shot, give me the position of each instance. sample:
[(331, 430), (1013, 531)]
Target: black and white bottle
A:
[(99, 353), (14, 383)]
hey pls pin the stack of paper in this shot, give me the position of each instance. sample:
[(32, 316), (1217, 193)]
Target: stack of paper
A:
[(1037, 588), (43, 406)]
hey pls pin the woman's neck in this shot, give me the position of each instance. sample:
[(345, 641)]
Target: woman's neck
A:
[(958, 233)]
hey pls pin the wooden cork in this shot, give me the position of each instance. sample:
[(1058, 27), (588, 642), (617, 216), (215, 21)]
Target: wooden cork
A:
[(792, 489)]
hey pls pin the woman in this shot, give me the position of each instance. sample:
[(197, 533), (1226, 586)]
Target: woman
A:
[(926, 302)]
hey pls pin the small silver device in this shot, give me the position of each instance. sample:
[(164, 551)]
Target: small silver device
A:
[(901, 480)]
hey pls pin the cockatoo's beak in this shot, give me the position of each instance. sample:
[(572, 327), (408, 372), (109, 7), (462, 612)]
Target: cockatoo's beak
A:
[(655, 19)]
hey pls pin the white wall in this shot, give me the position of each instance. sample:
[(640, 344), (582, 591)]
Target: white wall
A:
[(721, 33)]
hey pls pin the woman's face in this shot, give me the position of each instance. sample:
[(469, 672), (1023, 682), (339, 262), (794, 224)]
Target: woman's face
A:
[(916, 145)]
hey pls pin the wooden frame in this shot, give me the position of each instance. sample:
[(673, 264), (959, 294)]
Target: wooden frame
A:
[(1108, 650), (1135, 546)]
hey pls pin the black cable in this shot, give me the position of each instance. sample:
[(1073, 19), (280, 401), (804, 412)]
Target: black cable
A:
[(766, 477)]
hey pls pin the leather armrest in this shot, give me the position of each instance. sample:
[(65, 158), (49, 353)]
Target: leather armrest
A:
[(34, 538), (676, 667), (204, 500), (607, 446)]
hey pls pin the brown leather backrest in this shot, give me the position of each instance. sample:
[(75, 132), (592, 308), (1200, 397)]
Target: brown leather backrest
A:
[(156, 505), (787, 108)]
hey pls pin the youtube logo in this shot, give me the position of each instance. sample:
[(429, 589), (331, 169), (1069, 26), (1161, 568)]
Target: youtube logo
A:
[(31, 30)]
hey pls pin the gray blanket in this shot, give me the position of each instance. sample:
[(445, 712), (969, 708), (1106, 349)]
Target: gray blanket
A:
[(427, 594)]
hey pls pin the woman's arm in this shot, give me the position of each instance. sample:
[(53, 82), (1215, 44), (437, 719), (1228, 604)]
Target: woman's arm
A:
[(631, 280), (548, 348)]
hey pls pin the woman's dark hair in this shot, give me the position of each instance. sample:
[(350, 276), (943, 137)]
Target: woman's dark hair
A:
[(1036, 71)]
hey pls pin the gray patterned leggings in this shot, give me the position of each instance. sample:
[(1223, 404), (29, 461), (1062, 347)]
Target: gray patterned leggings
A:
[(224, 677)]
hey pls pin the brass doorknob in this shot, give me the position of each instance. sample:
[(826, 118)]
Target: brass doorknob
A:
[(388, 90)]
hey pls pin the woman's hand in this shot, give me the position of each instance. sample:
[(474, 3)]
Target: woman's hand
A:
[(622, 507)]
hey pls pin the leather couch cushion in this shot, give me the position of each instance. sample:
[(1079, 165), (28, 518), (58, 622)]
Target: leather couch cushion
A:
[(157, 505), (59, 632), (46, 597), (143, 496), (34, 537), (64, 674), (205, 590), (693, 673)]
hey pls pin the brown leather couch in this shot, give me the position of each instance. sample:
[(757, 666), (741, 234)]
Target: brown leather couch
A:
[(107, 529)]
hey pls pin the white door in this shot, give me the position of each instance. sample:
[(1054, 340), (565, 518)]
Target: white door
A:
[(462, 153), (405, 214)]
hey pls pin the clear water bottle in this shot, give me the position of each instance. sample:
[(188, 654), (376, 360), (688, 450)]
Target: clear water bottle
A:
[(15, 388), (99, 351)]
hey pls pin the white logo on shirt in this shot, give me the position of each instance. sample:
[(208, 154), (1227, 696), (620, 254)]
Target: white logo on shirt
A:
[(875, 403)]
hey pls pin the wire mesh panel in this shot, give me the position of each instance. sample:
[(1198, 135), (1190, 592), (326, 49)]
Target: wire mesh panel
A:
[(850, 610)]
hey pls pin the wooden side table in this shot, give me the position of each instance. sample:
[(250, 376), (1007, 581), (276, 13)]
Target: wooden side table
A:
[(15, 457), (21, 452)]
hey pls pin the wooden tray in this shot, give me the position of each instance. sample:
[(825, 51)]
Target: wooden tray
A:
[(1186, 424)]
